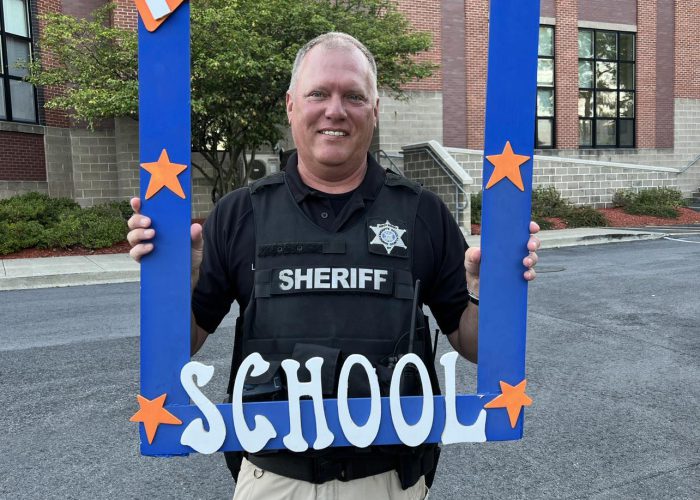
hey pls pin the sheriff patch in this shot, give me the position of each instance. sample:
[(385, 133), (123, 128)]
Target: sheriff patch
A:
[(332, 279), (386, 238)]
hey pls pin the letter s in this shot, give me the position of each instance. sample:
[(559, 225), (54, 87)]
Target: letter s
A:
[(194, 434), (286, 280)]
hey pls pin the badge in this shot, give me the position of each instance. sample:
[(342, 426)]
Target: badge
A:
[(388, 236)]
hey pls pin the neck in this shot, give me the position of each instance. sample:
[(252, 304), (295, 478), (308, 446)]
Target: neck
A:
[(331, 184)]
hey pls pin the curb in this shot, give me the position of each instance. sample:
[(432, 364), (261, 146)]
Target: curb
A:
[(72, 279)]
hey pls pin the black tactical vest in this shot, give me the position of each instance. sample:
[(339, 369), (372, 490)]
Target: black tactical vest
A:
[(334, 294)]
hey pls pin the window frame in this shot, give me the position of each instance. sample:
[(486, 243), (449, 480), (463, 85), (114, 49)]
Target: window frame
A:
[(553, 117), (594, 119), (5, 76)]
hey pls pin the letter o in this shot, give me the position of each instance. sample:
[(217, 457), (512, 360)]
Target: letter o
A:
[(359, 435), (415, 434)]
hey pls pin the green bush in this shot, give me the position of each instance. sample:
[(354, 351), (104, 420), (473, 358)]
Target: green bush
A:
[(584, 217), (15, 236), (36, 207), (99, 230), (476, 207), (64, 234), (658, 202), (547, 202), (623, 198), (543, 223), (638, 208)]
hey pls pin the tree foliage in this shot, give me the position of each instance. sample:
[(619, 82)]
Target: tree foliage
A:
[(242, 55)]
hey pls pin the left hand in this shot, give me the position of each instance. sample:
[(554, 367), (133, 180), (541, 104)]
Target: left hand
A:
[(472, 260)]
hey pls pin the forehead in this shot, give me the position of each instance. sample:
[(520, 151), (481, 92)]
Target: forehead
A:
[(344, 65)]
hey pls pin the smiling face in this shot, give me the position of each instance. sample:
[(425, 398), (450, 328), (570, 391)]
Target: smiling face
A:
[(333, 110)]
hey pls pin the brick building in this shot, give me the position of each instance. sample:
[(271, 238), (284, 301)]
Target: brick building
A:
[(618, 88)]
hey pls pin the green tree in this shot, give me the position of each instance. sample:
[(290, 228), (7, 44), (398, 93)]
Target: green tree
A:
[(242, 54)]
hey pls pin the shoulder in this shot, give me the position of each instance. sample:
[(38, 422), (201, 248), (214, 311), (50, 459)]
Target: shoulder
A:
[(230, 212)]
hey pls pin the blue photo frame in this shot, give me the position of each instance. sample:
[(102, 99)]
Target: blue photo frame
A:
[(164, 114)]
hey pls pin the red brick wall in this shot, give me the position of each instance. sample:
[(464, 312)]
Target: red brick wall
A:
[(81, 8), (547, 8), (664, 73), (125, 16), (566, 73), (687, 56), (22, 157), (424, 15), (454, 91), (646, 74), (609, 11), (476, 29), (52, 118)]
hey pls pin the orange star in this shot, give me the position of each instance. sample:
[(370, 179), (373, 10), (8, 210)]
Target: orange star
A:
[(507, 164), (157, 12), (152, 414), (512, 398), (164, 174)]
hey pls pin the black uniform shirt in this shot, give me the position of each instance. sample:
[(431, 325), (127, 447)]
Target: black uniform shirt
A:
[(226, 273)]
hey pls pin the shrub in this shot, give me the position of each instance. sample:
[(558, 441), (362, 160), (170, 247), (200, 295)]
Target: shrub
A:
[(659, 202), (36, 207), (663, 196), (476, 207), (623, 198), (638, 208), (584, 217), (15, 236), (543, 223), (99, 230), (65, 233), (547, 202)]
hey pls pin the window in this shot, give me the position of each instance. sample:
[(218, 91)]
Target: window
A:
[(606, 89), (544, 126), (17, 97)]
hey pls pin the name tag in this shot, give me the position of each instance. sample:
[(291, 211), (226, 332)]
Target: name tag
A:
[(332, 279)]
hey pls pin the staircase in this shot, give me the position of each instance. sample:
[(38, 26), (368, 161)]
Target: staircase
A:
[(694, 201)]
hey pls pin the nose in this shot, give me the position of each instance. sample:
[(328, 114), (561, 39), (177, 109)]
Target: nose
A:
[(335, 108)]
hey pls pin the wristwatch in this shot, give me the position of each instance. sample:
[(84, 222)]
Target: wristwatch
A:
[(474, 299)]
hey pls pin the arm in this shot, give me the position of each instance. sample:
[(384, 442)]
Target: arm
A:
[(465, 340)]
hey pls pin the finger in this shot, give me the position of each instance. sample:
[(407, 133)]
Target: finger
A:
[(137, 220), (533, 244), (530, 260), (472, 256), (140, 250), (135, 205), (197, 237), (534, 227), (530, 275), (136, 236)]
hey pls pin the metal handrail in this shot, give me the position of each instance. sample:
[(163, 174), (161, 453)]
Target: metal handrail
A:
[(693, 162), (459, 206), (378, 154)]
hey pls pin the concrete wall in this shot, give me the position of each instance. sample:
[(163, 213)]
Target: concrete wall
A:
[(418, 119)]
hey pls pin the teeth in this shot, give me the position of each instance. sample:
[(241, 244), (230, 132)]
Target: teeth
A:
[(333, 132)]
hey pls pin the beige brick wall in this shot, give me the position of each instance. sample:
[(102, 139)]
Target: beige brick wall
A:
[(418, 119)]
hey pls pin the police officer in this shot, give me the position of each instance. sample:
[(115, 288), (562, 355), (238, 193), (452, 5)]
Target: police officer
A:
[(324, 260)]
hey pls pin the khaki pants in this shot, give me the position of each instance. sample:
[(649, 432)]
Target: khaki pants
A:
[(257, 484)]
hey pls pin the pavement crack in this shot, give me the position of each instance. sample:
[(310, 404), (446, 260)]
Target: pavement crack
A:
[(633, 480)]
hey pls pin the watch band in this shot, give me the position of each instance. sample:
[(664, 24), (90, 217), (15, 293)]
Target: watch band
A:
[(473, 298)]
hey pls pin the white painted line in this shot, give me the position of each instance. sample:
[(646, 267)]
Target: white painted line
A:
[(681, 240)]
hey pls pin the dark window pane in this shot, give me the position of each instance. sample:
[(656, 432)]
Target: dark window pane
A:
[(545, 72), (15, 14), (626, 47), (545, 102), (626, 105), (585, 74), (585, 43), (605, 132), (606, 75), (626, 133), (544, 133), (585, 135), (546, 45), (606, 105), (22, 98), (627, 76), (17, 52), (585, 103), (605, 45), (3, 113)]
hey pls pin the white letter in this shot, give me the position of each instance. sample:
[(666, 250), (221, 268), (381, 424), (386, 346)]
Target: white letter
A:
[(321, 277), (365, 276), (340, 278), (454, 432), (285, 277), (194, 434), (295, 440), (252, 440), (412, 435), (303, 278), (379, 278), (360, 436)]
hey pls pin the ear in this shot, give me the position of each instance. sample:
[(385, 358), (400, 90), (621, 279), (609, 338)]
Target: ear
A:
[(289, 104), (376, 113)]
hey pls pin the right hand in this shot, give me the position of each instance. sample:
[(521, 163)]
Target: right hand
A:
[(140, 231)]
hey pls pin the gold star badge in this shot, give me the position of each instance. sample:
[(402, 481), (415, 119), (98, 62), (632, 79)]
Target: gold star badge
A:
[(512, 398), (164, 174), (152, 414), (507, 164)]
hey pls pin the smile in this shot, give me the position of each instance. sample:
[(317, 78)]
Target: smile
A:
[(334, 133)]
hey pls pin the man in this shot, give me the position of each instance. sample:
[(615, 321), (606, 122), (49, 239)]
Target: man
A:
[(325, 259)]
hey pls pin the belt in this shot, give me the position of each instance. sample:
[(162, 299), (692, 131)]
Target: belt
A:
[(318, 470)]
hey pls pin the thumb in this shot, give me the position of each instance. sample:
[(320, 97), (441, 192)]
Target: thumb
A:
[(197, 245)]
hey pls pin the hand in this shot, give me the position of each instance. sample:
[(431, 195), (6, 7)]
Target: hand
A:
[(472, 260), (140, 231)]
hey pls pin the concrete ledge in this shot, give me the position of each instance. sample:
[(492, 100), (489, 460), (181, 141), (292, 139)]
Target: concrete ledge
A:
[(75, 279), (584, 236)]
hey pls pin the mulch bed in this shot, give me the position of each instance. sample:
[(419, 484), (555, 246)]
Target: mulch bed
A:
[(616, 218)]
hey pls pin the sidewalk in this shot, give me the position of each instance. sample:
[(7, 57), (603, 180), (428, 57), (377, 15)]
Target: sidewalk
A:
[(20, 274)]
